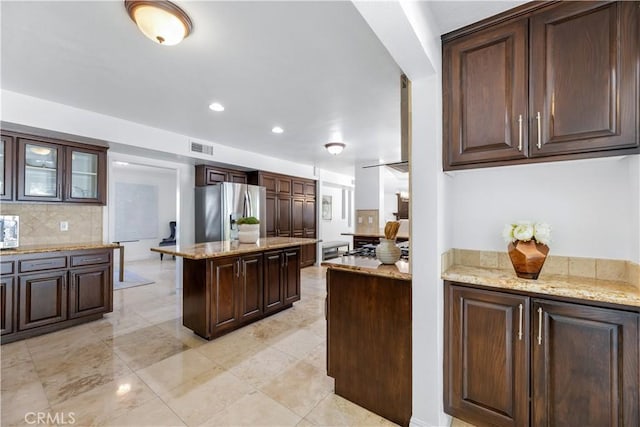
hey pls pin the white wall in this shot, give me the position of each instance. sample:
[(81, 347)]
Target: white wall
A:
[(331, 230), (592, 205), (369, 193), (165, 182)]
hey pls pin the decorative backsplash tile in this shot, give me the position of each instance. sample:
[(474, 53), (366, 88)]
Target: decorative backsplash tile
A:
[(606, 269), (40, 222)]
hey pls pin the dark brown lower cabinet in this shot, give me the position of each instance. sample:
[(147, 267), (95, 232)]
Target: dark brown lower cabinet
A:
[(45, 292), (224, 294), (43, 299), (487, 356), (308, 255), (584, 360), (7, 300), (90, 291), (585, 366), (369, 341)]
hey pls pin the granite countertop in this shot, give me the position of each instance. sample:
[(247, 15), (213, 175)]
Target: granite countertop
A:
[(231, 247), (371, 266), (55, 247), (589, 289)]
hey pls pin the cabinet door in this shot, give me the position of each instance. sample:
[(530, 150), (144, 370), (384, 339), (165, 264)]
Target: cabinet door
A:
[(585, 366), (225, 294), (310, 189), (297, 188), (214, 176), (85, 179), (42, 299), (269, 182), (251, 301), (297, 217), (7, 301), (284, 217), (486, 356), (309, 218), (284, 186), (273, 269), (584, 68), (6, 165), (89, 291), (291, 286), (307, 255), (39, 171), (271, 212), (238, 177), (485, 95)]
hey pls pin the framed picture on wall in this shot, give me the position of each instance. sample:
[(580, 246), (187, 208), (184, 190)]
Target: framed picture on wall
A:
[(326, 208)]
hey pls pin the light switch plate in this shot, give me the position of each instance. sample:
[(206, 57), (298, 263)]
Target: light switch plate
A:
[(64, 225)]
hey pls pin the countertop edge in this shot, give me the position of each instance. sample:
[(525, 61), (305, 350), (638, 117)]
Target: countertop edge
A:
[(171, 250), (621, 294), (368, 271), (56, 248)]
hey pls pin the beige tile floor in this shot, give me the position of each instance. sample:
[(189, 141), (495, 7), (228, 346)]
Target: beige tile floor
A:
[(140, 367)]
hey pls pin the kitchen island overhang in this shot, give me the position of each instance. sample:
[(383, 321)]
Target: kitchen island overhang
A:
[(227, 284)]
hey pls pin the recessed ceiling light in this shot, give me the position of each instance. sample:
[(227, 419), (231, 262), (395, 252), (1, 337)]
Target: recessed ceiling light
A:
[(216, 106), (277, 129)]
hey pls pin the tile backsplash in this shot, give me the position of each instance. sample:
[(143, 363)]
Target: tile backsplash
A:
[(595, 268), (40, 222)]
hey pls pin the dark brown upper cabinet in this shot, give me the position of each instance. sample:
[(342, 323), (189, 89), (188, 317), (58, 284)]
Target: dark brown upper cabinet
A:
[(40, 170), (542, 82), (85, 176), (6, 163), (210, 175)]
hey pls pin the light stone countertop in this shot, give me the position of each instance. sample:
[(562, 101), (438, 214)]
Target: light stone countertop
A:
[(231, 247), (371, 266), (56, 247), (379, 235), (589, 289)]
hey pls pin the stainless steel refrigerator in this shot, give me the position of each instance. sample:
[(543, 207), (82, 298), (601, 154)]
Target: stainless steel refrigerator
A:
[(219, 206)]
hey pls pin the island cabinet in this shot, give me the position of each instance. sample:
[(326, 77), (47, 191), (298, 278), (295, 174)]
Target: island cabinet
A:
[(519, 360), (543, 82), (224, 293), (44, 292), (282, 278)]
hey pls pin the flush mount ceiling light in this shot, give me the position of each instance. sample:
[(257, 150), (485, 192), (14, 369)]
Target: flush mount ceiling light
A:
[(161, 21), (335, 148), (277, 129), (216, 106)]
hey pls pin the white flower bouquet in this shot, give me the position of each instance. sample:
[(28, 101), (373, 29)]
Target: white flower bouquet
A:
[(527, 230)]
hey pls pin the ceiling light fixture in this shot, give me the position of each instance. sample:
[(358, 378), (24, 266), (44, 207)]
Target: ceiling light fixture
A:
[(216, 106), (335, 148), (161, 21), (40, 151), (277, 129)]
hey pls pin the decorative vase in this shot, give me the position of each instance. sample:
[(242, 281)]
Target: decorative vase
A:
[(527, 258), (248, 233), (387, 251)]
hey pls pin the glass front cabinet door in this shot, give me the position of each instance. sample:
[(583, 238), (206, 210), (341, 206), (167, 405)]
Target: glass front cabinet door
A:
[(85, 176), (6, 168), (39, 170)]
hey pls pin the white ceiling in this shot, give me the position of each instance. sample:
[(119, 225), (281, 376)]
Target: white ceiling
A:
[(314, 67)]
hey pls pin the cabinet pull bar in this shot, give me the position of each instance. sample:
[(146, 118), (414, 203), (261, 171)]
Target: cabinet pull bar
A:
[(520, 132), (539, 325), (539, 119), (238, 270), (520, 323)]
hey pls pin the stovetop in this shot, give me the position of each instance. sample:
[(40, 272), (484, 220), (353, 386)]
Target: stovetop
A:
[(369, 250)]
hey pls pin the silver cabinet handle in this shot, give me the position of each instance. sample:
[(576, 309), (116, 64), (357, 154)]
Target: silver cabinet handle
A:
[(540, 326), (539, 119), (244, 269), (520, 132), (520, 328), (238, 270)]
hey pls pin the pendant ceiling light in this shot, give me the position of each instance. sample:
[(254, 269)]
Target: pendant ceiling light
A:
[(335, 148), (161, 21)]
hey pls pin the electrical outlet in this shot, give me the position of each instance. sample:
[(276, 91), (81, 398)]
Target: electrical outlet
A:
[(64, 225), (370, 220)]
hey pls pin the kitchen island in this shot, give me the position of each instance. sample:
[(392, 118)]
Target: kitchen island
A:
[(227, 284), (369, 334)]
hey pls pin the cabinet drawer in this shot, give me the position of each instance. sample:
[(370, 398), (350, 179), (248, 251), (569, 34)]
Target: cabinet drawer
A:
[(89, 259), (6, 267), (42, 264)]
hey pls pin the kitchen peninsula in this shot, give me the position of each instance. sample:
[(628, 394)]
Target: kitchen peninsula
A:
[(369, 334), (228, 284)]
